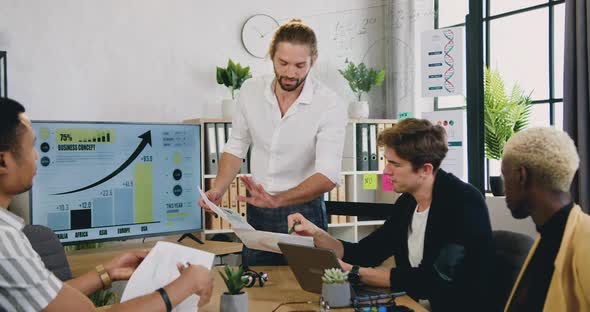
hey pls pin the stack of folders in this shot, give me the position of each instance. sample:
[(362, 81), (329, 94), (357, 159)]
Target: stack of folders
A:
[(216, 134), (338, 194), (229, 200), (370, 156)]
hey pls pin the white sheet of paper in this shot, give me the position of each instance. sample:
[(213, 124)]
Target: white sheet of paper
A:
[(159, 269), (253, 239), (268, 241), (231, 216)]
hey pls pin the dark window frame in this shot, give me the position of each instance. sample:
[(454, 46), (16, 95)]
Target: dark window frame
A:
[(3, 75), (487, 18)]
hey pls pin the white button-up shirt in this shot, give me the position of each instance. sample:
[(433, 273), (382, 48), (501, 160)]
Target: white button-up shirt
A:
[(285, 151)]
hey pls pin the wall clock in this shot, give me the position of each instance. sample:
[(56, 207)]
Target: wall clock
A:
[(257, 33)]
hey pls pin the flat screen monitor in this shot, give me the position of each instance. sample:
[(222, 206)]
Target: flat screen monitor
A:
[(101, 181)]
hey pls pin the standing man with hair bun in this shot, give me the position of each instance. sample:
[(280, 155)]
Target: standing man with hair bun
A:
[(295, 127)]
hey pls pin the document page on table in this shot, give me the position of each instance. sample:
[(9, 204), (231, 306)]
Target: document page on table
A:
[(268, 241)]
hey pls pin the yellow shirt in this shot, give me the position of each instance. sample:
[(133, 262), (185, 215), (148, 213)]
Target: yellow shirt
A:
[(570, 284)]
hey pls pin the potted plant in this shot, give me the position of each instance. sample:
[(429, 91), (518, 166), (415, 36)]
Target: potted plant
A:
[(504, 115), (101, 297), (233, 76), (234, 300), (335, 287), (361, 79)]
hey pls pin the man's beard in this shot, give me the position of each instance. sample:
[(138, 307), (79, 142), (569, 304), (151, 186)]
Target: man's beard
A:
[(298, 82)]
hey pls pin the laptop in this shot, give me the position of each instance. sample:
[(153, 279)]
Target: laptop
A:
[(308, 265)]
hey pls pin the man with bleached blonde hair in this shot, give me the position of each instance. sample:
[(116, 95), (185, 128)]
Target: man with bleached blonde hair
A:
[(538, 166)]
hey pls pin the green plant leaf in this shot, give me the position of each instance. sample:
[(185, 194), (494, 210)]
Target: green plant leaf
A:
[(231, 66), (334, 276), (504, 114), (361, 78), (220, 72), (233, 279), (103, 297), (233, 76), (380, 78)]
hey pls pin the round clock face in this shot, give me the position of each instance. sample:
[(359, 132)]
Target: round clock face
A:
[(257, 33)]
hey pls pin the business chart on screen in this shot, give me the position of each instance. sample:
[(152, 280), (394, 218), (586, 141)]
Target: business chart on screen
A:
[(105, 181)]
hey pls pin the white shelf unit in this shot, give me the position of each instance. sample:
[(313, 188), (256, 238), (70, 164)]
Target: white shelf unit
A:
[(355, 192), (350, 231), (208, 175)]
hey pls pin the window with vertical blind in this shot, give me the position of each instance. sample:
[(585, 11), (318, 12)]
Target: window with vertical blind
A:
[(524, 41)]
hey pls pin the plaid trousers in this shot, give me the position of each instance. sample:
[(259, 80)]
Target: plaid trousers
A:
[(275, 220)]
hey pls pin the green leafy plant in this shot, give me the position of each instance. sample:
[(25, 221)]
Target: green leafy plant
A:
[(233, 76), (504, 115), (234, 280), (103, 298), (83, 246), (362, 78), (334, 276)]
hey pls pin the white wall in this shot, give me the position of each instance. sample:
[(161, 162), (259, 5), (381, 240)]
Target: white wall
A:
[(154, 60), (503, 220)]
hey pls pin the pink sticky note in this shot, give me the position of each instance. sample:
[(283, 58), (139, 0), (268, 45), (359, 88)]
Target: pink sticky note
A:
[(386, 183)]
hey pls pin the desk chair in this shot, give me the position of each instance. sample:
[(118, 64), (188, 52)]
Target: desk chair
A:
[(48, 246), (511, 251)]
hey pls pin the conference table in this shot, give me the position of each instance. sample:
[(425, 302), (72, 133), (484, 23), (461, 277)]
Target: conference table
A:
[(282, 287), (82, 261)]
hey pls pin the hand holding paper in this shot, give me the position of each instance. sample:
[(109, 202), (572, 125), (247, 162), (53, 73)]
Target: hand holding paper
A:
[(159, 269), (252, 238), (212, 196), (233, 217)]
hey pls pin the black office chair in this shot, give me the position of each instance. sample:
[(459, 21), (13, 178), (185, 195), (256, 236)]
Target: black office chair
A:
[(48, 246), (511, 251)]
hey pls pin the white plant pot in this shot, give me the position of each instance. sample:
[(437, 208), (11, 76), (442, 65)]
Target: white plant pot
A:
[(234, 303), (358, 109), (336, 295), (228, 106)]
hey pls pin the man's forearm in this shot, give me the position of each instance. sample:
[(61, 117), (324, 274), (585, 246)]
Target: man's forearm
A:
[(323, 239), (150, 302), (306, 191), (375, 277), (177, 291), (70, 299), (87, 284), (229, 166)]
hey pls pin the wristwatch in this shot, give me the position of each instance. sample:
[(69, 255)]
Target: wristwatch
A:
[(104, 276), (353, 276)]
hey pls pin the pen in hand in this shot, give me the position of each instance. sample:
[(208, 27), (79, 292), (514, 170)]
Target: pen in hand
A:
[(292, 229)]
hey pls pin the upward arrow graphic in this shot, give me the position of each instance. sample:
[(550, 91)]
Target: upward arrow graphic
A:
[(146, 139)]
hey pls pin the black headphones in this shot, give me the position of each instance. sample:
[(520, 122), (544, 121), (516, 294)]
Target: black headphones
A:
[(250, 277)]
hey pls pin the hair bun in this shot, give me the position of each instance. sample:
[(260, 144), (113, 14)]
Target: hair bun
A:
[(296, 20)]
